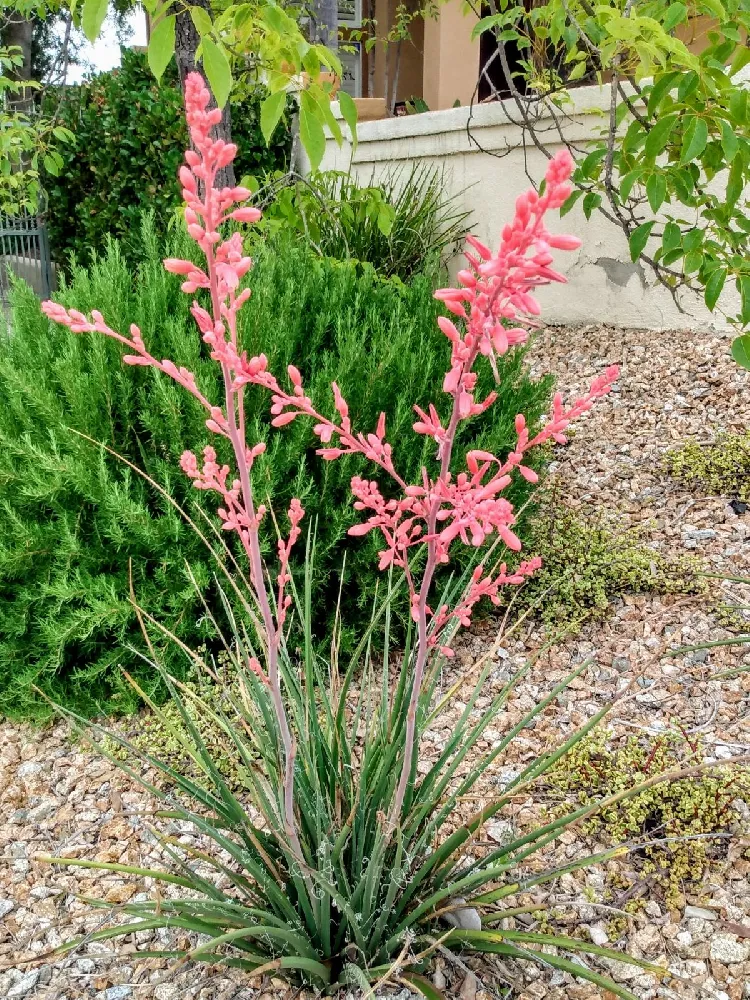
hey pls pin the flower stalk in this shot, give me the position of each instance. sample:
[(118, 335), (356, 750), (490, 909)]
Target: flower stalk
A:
[(493, 310)]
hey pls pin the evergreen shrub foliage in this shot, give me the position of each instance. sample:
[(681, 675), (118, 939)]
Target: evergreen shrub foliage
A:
[(75, 521), (130, 137)]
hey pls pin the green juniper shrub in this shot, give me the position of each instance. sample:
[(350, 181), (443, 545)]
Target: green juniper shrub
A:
[(690, 807), (129, 141), (76, 523), (721, 468)]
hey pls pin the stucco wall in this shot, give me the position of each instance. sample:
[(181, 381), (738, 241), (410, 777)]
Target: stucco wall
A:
[(486, 170)]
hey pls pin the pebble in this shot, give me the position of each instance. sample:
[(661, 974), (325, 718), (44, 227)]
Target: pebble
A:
[(598, 934), (621, 972), (727, 949), (115, 993), (700, 913), (24, 985), (167, 991)]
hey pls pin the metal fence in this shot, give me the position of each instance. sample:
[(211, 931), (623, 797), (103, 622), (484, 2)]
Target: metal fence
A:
[(24, 250)]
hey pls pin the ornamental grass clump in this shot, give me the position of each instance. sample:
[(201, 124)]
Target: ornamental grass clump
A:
[(343, 861)]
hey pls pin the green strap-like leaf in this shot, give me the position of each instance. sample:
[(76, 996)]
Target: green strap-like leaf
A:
[(423, 986), (564, 964)]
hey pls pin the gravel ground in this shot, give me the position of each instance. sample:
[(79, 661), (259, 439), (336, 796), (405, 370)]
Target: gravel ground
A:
[(57, 799)]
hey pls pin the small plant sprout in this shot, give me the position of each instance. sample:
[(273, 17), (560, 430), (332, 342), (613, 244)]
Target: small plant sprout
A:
[(341, 867)]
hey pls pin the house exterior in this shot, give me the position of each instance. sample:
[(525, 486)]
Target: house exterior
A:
[(439, 64)]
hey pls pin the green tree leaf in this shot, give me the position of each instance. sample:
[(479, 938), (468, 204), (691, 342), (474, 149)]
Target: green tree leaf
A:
[(693, 261), (311, 131), (676, 13), (569, 204), (201, 20), (714, 285), (349, 111), (741, 59), (92, 18), (629, 181), (741, 350), (659, 136), (161, 45), (639, 239), (218, 72), (578, 71), (729, 141), (51, 165), (591, 202), (694, 140), (744, 283), (660, 89), (735, 183), (271, 111), (656, 190), (672, 237)]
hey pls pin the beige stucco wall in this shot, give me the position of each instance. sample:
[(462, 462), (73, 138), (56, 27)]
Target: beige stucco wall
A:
[(410, 72), (451, 58), (487, 172), (440, 63)]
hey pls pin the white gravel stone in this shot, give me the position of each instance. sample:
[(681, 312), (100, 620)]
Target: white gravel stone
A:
[(727, 949), (24, 986), (115, 993)]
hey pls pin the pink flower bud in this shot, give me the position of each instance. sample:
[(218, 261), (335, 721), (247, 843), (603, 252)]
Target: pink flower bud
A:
[(450, 382), (564, 242), (449, 329), (176, 266), (484, 252), (283, 419), (227, 154), (466, 278), (246, 214), (187, 180)]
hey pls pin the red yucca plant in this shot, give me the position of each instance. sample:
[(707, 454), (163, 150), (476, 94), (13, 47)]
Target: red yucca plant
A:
[(333, 859)]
